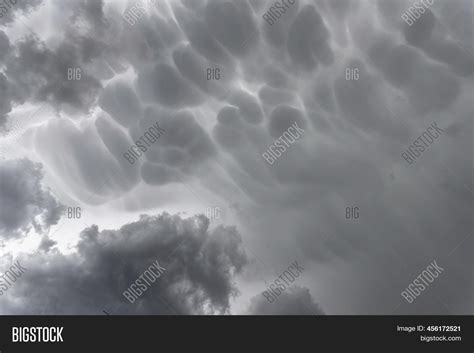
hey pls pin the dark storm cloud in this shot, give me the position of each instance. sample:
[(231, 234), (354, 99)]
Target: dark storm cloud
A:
[(330, 169), (295, 70), (25, 202), (200, 266), (295, 301), (36, 73)]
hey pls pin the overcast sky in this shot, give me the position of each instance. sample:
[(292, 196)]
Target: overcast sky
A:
[(360, 83)]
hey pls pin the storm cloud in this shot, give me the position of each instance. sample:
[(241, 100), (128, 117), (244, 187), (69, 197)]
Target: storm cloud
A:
[(26, 203), (225, 85), (200, 265)]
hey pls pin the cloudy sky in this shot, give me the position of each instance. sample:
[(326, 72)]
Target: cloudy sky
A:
[(82, 80)]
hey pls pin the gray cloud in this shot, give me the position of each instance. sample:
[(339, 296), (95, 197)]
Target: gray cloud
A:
[(200, 266), (36, 73), (216, 130), (25, 202)]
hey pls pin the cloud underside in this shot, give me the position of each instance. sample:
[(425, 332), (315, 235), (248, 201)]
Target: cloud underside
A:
[(271, 77)]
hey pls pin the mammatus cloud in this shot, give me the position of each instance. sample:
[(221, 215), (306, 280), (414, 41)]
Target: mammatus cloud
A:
[(25, 202), (362, 83)]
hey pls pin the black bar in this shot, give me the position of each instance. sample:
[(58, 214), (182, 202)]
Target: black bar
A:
[(293, 333)]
